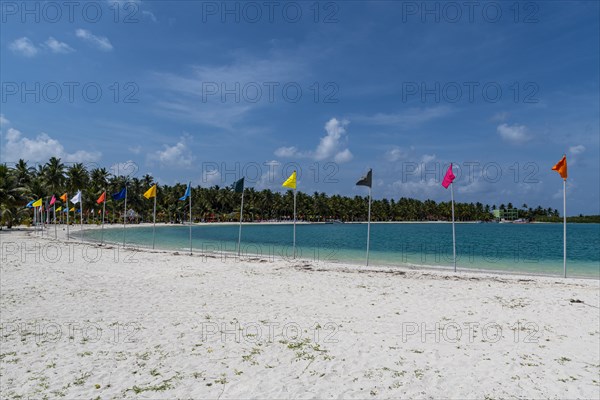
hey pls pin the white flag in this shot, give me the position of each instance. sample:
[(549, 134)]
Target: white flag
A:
[(77, 197)]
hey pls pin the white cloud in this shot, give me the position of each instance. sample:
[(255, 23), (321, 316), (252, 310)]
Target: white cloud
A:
[(211, 177), (571, 187), (270, 176), (405, 119), (135, 149), (3, 120), (150, 15), (574, 150), (24, 46), (177, 155), (428, 158), (41, 148), (396, 153), (428, 188), (101, 42), (58, 47), (343, 156), (201, 95), (330, 143), (330, 146), (500, 116), (286, 152), (513, 133)]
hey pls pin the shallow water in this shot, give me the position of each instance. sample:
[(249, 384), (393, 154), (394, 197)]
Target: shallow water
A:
[(527, 248)]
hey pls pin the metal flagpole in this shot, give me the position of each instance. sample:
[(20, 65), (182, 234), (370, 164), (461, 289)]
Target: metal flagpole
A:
[(294, 223), (565, 227), (42, 219), (54, 212), (369, 226), (67, 215), (241, 219), (154, 223), (103, 213), (125, 216), (190, 219), (81, 212), (453, 232)]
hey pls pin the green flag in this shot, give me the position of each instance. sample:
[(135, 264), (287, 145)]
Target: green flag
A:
[(238, 187)]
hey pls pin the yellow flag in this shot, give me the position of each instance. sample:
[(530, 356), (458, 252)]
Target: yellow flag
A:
[(291, 181), (59, 209), (150, 193), (37, 203), (72, 209)]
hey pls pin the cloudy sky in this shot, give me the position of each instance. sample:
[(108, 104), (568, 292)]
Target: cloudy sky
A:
[(208, 91)]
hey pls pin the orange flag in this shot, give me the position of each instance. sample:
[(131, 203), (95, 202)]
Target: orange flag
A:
[(561, 167), (102, 198), (63, 197)]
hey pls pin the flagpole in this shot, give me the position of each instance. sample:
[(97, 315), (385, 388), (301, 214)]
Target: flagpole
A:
[(294, 223), (154, 223), (81, 212), (191, 219), (241, 219), (565, 227), (125, 216), (54, 212), (103, 213), (453, 231), (42, 219), (369, 226), (67, 215)]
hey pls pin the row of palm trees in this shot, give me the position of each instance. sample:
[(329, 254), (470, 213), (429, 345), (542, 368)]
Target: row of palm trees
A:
[(19, 184)]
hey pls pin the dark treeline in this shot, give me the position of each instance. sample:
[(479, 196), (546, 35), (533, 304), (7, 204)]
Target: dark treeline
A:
[(21, 184)]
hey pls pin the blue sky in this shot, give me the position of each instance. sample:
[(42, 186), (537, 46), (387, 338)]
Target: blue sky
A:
[(210, 90)]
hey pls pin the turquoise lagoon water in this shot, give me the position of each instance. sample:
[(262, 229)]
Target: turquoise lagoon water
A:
[(527, 248)]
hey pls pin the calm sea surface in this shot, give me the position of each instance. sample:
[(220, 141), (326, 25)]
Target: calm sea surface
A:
[(527, 248)]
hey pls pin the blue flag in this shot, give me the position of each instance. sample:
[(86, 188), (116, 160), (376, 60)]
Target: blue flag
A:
[(121, 195), (29, 205), (188, 192)]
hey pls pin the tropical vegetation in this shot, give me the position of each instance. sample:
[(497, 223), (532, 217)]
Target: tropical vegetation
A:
[(21, 183)]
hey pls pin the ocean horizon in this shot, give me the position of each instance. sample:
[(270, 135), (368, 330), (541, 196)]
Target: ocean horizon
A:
[(534, 249)]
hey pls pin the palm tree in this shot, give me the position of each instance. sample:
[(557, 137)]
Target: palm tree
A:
[(23, 172), (54, 174), (10, 196), (77, 177)]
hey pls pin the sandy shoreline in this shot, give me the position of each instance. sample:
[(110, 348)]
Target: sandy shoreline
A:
[(81, 321)]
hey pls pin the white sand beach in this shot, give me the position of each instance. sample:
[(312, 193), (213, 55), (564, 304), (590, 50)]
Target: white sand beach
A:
[(84, 321)]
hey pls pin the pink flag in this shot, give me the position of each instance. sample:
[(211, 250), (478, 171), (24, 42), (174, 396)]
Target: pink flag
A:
[(52, 200), (448, 178)]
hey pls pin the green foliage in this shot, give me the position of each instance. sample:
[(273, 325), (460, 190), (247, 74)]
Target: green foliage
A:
[(22, 183)]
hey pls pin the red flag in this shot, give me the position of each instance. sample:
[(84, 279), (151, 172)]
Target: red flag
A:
[(102, 198), (52, 200), (448, 178)]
